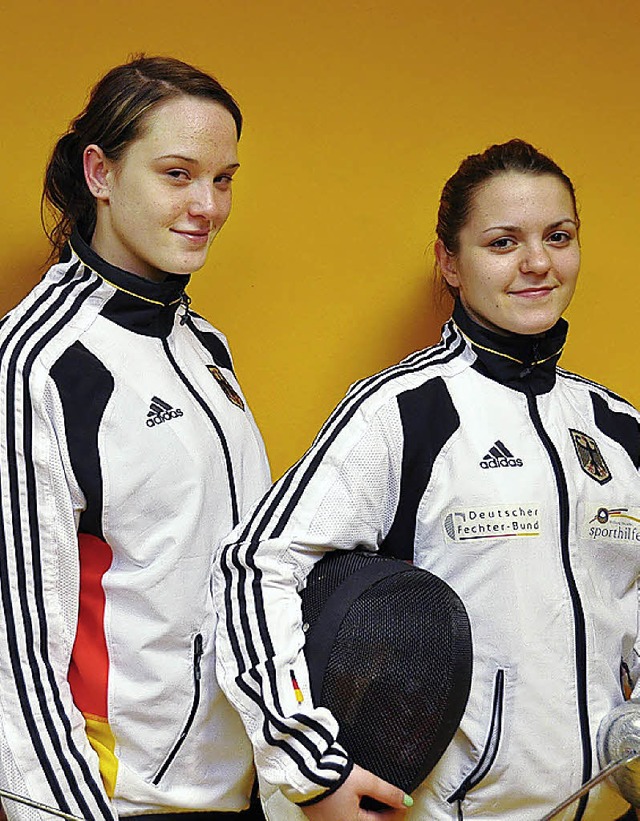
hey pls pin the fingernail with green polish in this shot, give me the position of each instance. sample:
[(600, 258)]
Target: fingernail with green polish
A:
[(407, 801)]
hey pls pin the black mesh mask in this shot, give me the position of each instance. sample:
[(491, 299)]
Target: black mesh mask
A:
[(389, 653)]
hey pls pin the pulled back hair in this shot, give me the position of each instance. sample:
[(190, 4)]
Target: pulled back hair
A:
[(113, 118), (474, 171)]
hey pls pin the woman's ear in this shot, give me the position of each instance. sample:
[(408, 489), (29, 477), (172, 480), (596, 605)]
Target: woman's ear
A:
[(96, 170), (447, 264)]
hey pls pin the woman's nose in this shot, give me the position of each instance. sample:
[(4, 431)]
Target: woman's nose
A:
[(536, 260), (205, 202)]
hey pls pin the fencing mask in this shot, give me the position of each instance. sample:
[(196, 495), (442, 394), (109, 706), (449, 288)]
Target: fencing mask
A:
[(388, 648)]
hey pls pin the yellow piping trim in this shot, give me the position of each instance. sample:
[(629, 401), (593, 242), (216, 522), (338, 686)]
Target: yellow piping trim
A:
[(117, 287), (626, 516), (505, 355)]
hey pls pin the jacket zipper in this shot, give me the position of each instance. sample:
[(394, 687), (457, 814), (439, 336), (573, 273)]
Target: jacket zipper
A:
[(490, 748), (197, 655), (580, 631), (217, 427)]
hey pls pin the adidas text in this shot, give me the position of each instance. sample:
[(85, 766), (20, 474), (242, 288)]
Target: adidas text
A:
[(161, 411), (163, 416), (501, 463), (499, 456)]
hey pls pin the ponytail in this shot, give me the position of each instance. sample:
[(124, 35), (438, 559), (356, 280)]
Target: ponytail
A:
[(66, 194)]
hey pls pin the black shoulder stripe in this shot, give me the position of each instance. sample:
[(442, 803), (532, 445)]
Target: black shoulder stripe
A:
[(359, 393), (85, 386), (429, 419), (329, 434), (24, 608), (621, 427), (306, 467)]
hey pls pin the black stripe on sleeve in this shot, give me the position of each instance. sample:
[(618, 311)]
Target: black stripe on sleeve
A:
[(273, 717), (25, 341), (8, 495)]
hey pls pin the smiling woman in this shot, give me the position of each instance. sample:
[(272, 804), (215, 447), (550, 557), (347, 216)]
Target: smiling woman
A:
[(483, 462), (130, 453), (508, 227), (160, 205), (518, 254)]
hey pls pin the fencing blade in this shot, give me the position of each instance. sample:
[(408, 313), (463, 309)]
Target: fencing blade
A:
[(610, 769), (36, 805)]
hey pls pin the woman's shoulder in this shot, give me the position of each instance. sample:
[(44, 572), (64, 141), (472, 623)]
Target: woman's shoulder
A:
[(419, 378), (582, 383)]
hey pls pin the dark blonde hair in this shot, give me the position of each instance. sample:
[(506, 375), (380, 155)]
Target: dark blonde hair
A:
[(114, 117), (474, 171)]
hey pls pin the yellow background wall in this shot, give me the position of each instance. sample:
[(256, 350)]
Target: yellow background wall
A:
[(356, 113)]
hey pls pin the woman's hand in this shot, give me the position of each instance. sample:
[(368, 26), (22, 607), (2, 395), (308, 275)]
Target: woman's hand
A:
[(344, 803)]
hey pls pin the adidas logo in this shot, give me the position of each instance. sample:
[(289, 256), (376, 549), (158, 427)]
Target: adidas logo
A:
[(161, 412), (499, 456)]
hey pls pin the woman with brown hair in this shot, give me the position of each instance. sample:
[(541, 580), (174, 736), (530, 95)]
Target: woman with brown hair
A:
[(485, 463), (128, 453)]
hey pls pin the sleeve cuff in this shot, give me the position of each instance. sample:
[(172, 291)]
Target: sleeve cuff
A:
[(316, 798)]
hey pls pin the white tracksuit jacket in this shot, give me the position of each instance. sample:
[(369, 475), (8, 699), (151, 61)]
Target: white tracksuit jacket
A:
[(127, 454), (518, 484)]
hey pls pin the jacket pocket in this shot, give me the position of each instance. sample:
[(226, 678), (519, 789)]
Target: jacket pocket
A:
[(197, 656), (490, 751)]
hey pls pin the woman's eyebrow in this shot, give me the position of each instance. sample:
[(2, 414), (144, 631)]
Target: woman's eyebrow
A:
[(501, 228), (192, 160), (555, 224)]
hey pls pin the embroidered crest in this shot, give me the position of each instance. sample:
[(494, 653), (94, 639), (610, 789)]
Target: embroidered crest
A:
[(228, 390), (590, 458)]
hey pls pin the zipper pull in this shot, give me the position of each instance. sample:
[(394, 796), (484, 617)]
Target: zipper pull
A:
[(535, 355), (185, 299)]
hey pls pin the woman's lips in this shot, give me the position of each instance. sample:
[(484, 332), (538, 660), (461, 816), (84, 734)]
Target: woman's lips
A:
[(531, 293), (197, 237)]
